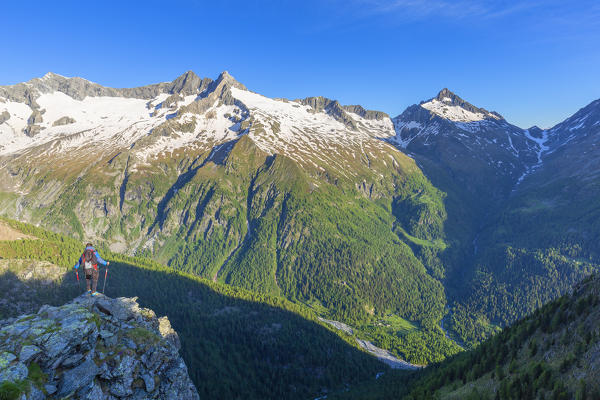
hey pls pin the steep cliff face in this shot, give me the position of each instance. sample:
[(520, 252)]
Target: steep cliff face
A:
[(92, 348)]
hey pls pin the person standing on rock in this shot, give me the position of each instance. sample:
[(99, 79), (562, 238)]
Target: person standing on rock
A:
[(90, 259)]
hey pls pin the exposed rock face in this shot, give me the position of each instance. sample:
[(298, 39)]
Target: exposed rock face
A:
[(331, 107), (4, 116), (187, 84), (94, 348), (32, 130), (35, 118), (366, 114), (63, 121)]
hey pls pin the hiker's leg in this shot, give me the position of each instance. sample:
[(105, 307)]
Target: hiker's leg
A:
[(88, 279), (95, 275)]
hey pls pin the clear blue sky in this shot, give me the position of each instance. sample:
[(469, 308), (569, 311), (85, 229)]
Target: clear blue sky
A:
[(534, 62)]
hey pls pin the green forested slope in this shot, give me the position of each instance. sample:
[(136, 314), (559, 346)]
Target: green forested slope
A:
[(551, 354), (544, 238), (236, 343)]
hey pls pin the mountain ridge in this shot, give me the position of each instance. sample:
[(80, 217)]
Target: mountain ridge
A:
[(237, 187)]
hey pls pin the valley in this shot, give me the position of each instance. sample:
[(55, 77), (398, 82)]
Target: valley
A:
[(426, 233)]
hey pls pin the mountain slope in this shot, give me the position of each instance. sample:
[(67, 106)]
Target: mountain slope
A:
[(545, 237), (236, 343), (214, 179), (313, 200), (520, 207), (552, 353)]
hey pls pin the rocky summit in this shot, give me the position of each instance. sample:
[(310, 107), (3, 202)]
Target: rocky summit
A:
[(92, 348)]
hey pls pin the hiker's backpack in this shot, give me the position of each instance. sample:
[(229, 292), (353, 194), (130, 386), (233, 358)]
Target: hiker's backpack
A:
[(89, 259)]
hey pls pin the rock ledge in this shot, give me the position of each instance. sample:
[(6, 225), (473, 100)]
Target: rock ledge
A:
[(93, 348)]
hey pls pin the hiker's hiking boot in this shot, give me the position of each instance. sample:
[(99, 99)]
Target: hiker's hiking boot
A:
[(95, 294), (89, 292)]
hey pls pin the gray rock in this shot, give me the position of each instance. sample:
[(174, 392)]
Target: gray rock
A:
[(35, 118), (125, 367), (130, 344), (35, 393), (65, 347), (122, 309), (4, 116), (95, 393), (167, 332), (28, 353), (149, 382), (366, 114), (110, 341), (56, 344), (332, 108), (14, 372), (6, 358), (32, 130), (105, 334), (50, 389), (72, 360), (63, 121), (120, 389), (77, 377), (105, 372)]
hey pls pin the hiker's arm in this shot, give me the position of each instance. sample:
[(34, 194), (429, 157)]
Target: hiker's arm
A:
[(78, 263), (100, 260)]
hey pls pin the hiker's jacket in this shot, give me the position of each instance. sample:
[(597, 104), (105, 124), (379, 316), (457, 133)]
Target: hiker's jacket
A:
[(82, 258)]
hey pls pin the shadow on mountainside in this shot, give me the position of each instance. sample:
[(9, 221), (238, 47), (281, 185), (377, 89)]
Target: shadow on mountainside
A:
[(234, 348)]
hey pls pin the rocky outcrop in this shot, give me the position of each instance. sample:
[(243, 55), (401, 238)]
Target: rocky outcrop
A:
[(35, 117), (331, 107), (366, 114), (4, 116), (93, 348), (32, 130), (63, 121)]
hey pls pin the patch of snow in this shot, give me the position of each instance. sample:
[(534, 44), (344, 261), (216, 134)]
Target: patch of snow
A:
[(579, 125), (541, 142), (116, 119), (455, 113)]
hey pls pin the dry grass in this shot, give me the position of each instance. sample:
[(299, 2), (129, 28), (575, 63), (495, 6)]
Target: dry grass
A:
[(9, 233)]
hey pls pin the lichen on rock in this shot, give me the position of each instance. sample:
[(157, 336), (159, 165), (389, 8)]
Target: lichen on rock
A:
[(94, 348)]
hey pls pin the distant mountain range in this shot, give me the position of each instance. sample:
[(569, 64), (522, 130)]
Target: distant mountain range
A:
[(445, 213)]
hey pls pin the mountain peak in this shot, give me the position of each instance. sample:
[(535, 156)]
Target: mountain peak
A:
[(450, 106), (187, 83), (227, 78), (52, 75), (446, 95)]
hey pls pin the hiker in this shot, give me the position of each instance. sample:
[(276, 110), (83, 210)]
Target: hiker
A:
[(90, 259)]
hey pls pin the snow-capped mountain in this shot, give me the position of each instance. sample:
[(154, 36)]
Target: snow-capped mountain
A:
[(583, 125), (449, 129), (208, 176), (304, 198), (57, 115)]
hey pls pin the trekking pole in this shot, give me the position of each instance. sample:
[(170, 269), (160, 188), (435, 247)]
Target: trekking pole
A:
[(77, 274), (105, 276)]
